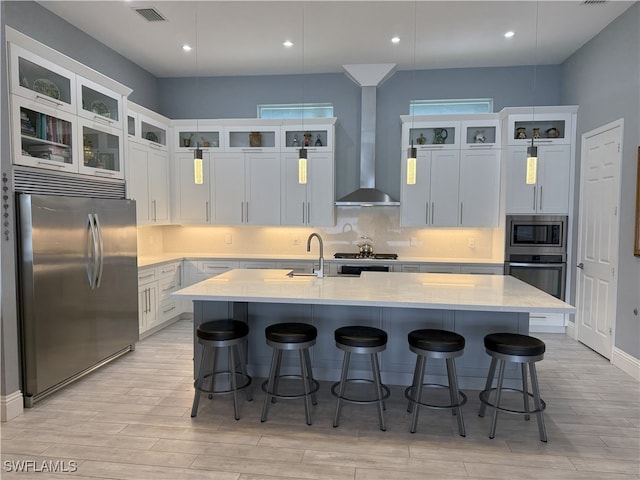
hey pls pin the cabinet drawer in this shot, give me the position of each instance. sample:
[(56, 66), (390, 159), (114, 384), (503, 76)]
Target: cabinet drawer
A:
[(168, 286), (147, 275), (213, 268), (171, 271), (167, 310)]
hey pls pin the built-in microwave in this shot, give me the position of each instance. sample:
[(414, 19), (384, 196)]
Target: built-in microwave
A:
[(536, 234)]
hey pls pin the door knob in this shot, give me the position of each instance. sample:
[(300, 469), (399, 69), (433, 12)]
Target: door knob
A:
[(581, 266)]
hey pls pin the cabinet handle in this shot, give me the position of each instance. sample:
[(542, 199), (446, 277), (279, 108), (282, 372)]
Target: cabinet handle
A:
[(534, 197), (149, 275), (206, 211), (433, 204), (51, 164), (461, 207), (540, 197), (169, 288), (247, 217), (426, 215), (49, 100), (241, 212), (308, 212), (101, 119), (105, 173), (155, 216), (303, 218), (169, 309), (156, 146)]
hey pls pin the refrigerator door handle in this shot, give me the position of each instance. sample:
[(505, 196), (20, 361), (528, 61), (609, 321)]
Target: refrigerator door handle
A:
[(100, 259), (92, 252)]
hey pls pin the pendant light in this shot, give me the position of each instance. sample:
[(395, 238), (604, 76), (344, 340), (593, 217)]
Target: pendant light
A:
[(531, 175), (412, 152), (302, 153), (198, 167)]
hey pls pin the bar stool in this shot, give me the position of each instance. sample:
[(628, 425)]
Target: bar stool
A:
[(436, 344), (516, 348), (363, 340), (212, 335), (290, 336)]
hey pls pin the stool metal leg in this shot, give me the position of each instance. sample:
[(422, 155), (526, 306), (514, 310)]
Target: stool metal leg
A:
[(417, 391), (199, 381), (525, 390), (538, 403), (270, 384), (375, 368), (243, 369), (488, 384), (343, 384), (455, 394), (307, 359), (492, 432), (410, 404), (304, 371), (233, 382)]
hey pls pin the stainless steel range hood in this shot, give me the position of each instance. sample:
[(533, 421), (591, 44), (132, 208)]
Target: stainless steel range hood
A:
[(369, 77)]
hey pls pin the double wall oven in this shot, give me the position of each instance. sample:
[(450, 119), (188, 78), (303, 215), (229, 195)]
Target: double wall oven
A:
[(536, 251)]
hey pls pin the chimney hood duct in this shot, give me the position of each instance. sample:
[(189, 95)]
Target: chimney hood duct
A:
[(368, 76)]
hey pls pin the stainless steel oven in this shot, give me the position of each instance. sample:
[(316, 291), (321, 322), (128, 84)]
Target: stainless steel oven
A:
[(536, 251)]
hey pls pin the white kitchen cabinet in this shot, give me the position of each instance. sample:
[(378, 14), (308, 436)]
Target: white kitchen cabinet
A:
[(258, 264), (199, 270), (457, 171), (45, 137), (242, 137), (246, 188), (42, 81), (147, 298), (169, 281), (482, 269), (550, 192), (64, 116), (192, 201), (479, 190), (316, 135), (99, 104), (148, 183), (297, 266), (207, 135), (433, 200), (100, 149), (313, 203), (430, 268), (546, 125)]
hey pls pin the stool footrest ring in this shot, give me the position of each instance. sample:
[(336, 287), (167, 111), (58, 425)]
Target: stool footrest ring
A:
[(385, 392), (484, 398), (408, 393), (315, 386), (246, 379)]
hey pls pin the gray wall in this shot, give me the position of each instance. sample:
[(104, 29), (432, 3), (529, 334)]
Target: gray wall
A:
[(236, 97), (40, 24), (603, 77)]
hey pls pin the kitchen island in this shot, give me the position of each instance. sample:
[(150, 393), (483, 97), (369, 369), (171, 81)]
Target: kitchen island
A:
[(472, 305)]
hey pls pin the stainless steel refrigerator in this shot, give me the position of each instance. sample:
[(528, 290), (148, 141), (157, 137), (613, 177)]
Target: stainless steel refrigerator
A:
[(77, 287)]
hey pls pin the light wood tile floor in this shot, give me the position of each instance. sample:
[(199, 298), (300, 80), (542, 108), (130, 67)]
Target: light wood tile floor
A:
[(131, 420)]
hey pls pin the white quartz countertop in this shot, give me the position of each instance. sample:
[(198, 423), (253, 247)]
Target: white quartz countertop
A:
[(496, 293), (151, 260)]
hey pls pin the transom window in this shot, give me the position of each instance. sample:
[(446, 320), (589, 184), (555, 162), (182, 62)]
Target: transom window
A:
[(445, 107), (296, 110)]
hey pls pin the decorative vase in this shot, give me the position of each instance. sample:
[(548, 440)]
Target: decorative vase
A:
[(255, 139)]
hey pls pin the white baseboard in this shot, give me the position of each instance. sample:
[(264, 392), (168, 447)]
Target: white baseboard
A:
[(572, 331), (626, 363), (11, 406)]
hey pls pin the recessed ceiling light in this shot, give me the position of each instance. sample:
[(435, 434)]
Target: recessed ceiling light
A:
[(395, 40), (186, 47), (509, 34), (287, 43)]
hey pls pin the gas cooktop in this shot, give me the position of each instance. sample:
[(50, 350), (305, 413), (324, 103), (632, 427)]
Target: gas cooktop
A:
[(372, 256)]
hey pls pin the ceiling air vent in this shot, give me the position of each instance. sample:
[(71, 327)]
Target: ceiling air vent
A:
[(594, 2), (150, 14)]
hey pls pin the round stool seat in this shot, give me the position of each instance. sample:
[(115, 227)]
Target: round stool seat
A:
[(221, 330), (291, 332), (436, 340), (514, 344), (361, 336)]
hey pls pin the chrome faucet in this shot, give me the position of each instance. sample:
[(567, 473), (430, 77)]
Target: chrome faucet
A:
[(320, 272)]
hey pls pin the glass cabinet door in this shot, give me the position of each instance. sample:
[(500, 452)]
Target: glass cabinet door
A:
[(45, 137), (483, 133), (101, 147), (189, 137), (152, 132), (312, 137), (434, 135), (38, 79), (247, 138), (99, 104)]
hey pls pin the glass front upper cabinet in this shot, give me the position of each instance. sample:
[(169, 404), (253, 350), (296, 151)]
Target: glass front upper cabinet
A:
[(101, 147), (314, 137), (481, 133), (542, 128), (253, 138), (99, 104), (45, 138), (37, 79), (436, 135), (206, 137), (154, 133)]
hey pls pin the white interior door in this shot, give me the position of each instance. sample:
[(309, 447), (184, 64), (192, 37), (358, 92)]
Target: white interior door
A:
[(598, 241)]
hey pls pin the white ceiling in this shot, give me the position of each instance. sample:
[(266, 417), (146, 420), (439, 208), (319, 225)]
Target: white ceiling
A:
[(245, 37)]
